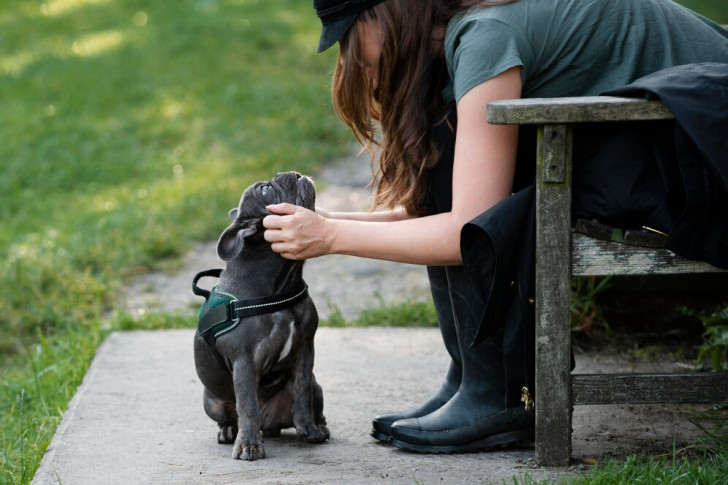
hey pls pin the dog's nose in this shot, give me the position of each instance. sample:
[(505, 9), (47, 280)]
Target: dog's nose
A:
[(284, 174)]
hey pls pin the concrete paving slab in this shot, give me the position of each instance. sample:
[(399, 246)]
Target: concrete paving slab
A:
[(138, 418)]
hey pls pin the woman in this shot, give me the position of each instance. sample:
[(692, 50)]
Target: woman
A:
[(424, 72)]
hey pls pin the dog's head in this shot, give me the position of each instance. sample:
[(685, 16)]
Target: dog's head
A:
[(290, 187)]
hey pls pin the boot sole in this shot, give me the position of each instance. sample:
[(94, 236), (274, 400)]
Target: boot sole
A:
[(384, 438), (496, 441)]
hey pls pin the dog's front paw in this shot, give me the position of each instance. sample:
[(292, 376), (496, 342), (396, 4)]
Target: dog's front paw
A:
[(226, 434), (245, 450), (316, 433)]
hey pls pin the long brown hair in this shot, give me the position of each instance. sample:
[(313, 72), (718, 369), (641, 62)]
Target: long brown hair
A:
[(406, 101)]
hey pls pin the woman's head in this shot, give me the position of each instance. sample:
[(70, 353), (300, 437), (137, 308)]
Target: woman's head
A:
[(391, 71)]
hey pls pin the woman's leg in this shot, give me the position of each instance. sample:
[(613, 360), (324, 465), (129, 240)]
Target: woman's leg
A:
[(478, 416), (441, 298)]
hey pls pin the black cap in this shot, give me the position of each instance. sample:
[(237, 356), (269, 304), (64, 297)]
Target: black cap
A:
[(337, 16)]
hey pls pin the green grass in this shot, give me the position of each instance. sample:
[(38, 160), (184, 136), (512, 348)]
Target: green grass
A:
[(122, 126), (407, 314), (707, 468), (125, 124), (703, 464)]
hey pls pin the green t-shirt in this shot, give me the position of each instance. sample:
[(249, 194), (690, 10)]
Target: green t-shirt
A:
[(576, 47)]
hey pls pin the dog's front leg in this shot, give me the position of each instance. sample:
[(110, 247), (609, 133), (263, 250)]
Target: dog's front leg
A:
[(303, 418), (248, 443)]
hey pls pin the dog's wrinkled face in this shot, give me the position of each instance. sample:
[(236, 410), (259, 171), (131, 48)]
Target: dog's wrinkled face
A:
[(290, 187)]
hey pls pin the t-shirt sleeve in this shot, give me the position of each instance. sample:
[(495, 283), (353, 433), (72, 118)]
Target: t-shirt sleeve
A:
[(479, 50)]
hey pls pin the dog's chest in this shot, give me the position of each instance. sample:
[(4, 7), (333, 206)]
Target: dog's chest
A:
[(277, 343)]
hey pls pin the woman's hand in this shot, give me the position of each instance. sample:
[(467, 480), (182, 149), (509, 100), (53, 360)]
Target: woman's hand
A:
[(297, 233)]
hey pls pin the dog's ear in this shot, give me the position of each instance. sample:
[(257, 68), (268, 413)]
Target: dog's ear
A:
[(233, 213), (233, 238)]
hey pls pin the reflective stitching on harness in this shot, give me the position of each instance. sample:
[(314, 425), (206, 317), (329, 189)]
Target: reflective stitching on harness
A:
[(272, 303)]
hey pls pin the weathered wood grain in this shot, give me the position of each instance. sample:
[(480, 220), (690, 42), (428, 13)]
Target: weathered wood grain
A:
[(531, 111), (649, 388), (596, 257), (553, 264)]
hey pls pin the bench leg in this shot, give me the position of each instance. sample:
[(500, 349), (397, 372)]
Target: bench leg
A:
[(553, 275)]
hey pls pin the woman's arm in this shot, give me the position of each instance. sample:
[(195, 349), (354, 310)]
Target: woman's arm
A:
[(374, 216), (483, 169)]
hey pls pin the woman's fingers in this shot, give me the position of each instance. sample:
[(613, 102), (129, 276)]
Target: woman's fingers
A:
[(295, 232), (283, 208)]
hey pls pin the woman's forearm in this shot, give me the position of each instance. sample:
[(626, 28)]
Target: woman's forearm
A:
[(397, 214), (431, 240), (298, 233)]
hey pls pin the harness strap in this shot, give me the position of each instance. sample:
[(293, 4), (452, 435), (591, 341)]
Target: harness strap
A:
[(236, 309), (211, 341), (222, 318)]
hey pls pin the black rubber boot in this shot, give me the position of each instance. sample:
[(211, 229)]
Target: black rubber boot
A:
[(477, 417), (446, 321)]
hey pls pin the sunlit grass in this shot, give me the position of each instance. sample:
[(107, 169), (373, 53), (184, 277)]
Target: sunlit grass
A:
[(97, 43), (52, 8)]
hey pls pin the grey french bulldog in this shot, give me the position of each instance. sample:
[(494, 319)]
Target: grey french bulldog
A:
[(254, 348)]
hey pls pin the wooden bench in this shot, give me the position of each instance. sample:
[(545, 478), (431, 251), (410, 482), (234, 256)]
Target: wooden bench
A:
[(561, 253)]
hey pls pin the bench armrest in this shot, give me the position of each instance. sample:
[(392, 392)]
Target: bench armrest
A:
[(583, 109)]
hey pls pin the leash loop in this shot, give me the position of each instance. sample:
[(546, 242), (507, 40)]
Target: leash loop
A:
[(215, 273)]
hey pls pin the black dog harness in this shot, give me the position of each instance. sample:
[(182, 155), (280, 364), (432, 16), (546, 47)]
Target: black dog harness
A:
[(222, 311)]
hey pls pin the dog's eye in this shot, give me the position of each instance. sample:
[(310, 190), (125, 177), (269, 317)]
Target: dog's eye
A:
[(264, 189)]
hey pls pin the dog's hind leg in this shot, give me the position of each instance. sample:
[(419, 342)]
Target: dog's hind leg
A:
[(223, 413)]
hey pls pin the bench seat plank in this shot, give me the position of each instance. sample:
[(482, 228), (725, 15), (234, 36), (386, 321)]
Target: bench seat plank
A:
[(596, 257)]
